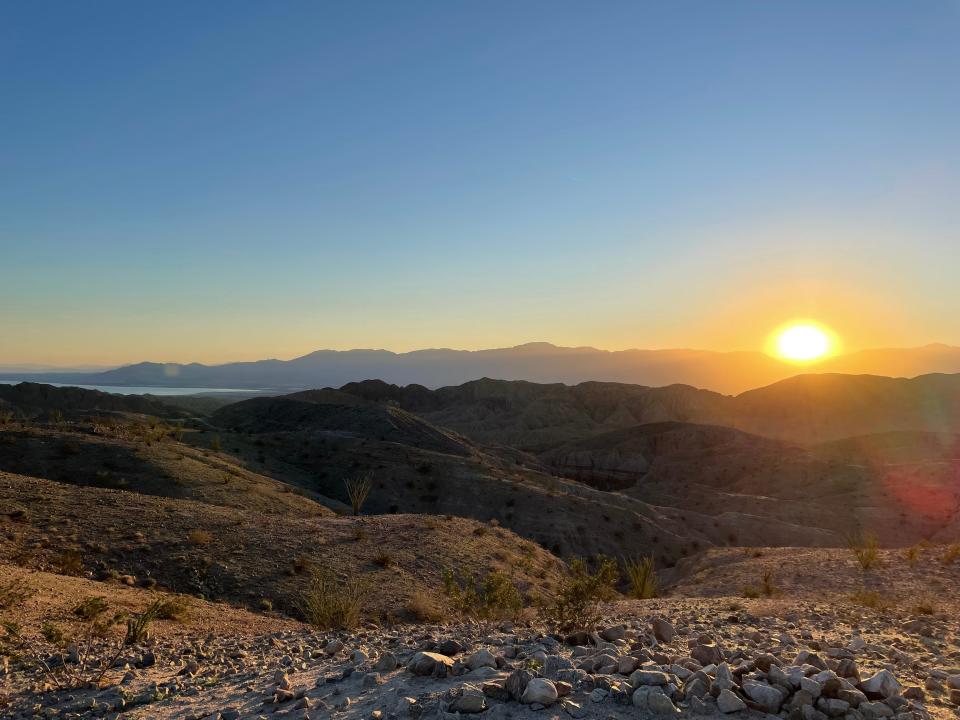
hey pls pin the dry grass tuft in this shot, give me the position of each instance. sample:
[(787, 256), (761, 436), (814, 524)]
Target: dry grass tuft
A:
[(865, 548)]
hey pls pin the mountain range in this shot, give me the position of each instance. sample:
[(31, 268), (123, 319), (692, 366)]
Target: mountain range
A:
[(724, 372)]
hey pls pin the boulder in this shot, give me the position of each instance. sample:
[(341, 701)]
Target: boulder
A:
[(541, 691), (428, 663), (881, 685), (766, 696)]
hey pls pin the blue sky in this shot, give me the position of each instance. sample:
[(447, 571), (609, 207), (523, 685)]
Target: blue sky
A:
[(215, 181)]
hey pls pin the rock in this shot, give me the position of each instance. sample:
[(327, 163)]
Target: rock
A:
[(496, 690), (661, 705), (333, 647), (482, 658), (386, 663), (728, 702), (953, 682), (648, 677), (833, 707), (662, 630), (875, 710), (428, 663), (707, 654), (372, 680), (614, 633), (471, 701), (573, 709), (811, 686), (358, 656), (847, 668), (516, 683), (767, 696), (881, 685), (539, 690), (450, 648)]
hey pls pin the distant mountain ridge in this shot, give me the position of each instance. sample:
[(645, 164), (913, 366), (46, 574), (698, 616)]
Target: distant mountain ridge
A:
[(725, 372)]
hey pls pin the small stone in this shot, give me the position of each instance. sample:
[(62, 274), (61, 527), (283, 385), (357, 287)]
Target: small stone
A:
[(728, 702), (482, 658), (662, 630)]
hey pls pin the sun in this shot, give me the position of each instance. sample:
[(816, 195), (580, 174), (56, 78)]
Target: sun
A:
[(802, 342)]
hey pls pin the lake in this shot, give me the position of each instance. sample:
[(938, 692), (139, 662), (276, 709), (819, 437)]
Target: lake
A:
[(140, 389)]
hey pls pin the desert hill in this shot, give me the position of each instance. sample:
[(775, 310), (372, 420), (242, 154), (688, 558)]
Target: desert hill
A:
[(244, 556), (29, 399)]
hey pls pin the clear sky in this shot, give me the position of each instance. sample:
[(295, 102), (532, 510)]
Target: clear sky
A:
[(215, 181)]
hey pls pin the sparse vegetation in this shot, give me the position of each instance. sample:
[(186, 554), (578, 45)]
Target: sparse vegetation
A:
[(576, 604), (642, 576), (912, 554), (423, 608), (383, 558), (865, 548), (14, 593), (91, 607), (199, 537), (70, 562), (493, 598), (871, 599), (358, 490), (766, 588), (952, 554), (332, 604)]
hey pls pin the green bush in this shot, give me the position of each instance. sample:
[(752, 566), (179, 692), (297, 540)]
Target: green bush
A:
[(576, 604), (642, 577), (492, 599)]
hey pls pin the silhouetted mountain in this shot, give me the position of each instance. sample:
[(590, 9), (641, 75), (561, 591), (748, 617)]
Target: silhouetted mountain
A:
[(30, 399), (730, 372), (803, 409)]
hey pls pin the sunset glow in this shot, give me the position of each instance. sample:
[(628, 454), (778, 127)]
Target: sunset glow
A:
[(802, 342)]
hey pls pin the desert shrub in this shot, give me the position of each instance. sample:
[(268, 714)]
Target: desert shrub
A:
[(215, 443), (577, 601), (912, 554), (138, 626), (767, 586), (171, 608), (924, 606), (952, 554), (383, 559), (199, 537), (332, 604), (865, 548), (642, 576), (480, 531), (301, 563), (265, 604), (358, 490), (70, 562), (91, 607), (871, 599), (494, 598), (423, 608), (14, 593), (95, 652)]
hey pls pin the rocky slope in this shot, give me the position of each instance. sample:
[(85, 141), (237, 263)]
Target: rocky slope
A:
[(686, 657)]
